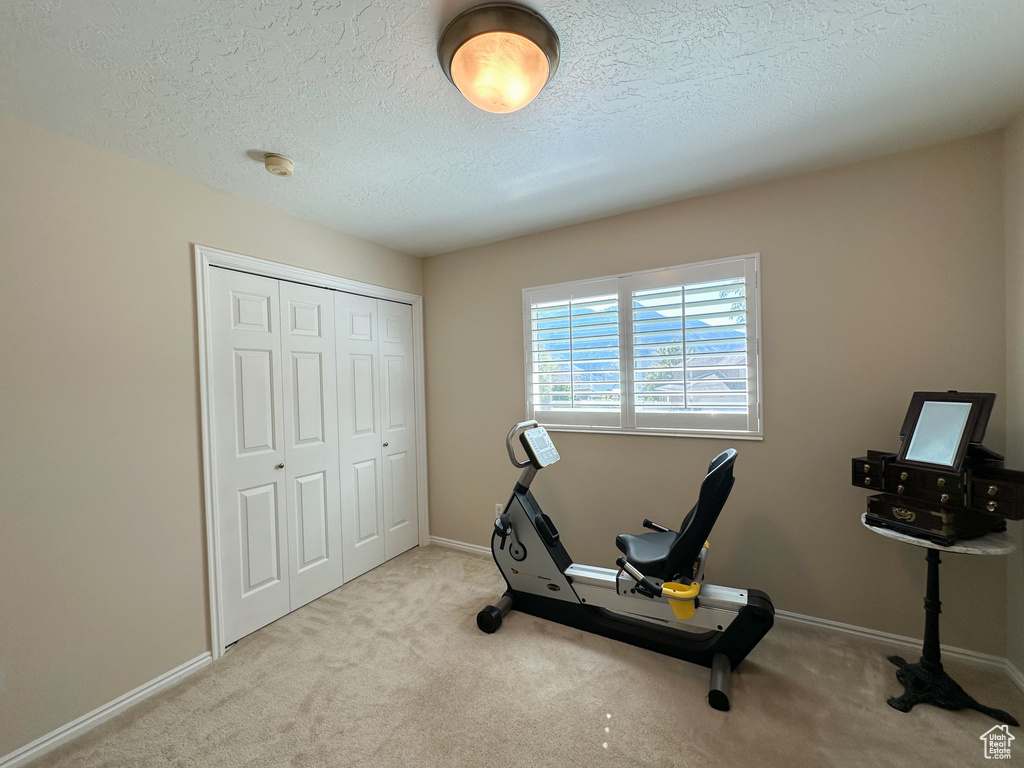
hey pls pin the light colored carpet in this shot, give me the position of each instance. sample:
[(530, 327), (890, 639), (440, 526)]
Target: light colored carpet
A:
[(390, 670)]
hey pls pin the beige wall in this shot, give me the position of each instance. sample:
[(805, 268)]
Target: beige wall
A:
[(102, 564), (1014, 220), (102, 560), (879, 278)]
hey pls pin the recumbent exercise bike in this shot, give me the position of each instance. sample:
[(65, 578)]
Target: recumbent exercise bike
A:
[(655, 600)]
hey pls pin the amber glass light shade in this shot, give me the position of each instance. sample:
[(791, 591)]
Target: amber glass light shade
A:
[(499, 55), (499, 71)]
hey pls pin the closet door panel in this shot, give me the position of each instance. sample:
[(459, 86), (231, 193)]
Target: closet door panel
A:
[(367, 505), (313, 521), (398, 427), (311, 438), (359, 425), (248, 427), (258, 525), (362, 402), (254, 400)]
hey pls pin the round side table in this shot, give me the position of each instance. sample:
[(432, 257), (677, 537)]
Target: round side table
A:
[(926, 682)]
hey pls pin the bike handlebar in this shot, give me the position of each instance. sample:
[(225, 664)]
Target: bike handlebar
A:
[(522, 426)]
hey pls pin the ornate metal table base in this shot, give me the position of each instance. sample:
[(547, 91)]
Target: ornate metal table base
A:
[(928, 686), (926, 682)]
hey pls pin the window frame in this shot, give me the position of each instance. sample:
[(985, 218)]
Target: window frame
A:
[(623, 285)]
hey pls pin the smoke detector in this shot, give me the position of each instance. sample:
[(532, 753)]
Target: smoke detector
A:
[(279, 165)]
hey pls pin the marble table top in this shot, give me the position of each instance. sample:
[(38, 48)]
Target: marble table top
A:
[(989, 544)]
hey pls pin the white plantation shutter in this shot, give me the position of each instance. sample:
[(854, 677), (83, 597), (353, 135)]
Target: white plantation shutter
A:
[(693, 350), (668, 351), (574, 376)]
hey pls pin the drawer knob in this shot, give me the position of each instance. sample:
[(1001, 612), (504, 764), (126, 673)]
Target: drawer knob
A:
[(867, 481), (867, 467), (993, 490), (991, 506), (942, 482), (944, 498), (904, 475), (900, 489)]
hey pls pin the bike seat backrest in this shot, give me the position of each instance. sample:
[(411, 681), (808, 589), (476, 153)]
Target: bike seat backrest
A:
[(697, 524)]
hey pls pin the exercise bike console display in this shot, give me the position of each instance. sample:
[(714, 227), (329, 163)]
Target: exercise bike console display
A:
[(539, 447)]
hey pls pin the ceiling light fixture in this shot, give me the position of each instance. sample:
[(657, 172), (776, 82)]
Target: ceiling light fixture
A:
[(499, 55)]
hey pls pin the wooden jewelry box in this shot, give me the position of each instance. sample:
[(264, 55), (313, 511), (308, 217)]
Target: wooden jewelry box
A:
[(943, 484)]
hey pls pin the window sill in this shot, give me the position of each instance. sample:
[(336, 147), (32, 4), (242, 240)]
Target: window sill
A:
[(723, 435)]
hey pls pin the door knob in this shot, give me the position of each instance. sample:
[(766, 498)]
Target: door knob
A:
[(385, 445), (279, 466)]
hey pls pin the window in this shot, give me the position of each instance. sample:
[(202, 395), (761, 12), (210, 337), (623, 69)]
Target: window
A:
[(667, 351)]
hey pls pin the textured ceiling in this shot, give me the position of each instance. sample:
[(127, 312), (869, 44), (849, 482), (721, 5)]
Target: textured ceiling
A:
[(653, 100)]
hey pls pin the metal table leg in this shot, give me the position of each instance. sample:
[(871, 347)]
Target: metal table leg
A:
[(926, 682)]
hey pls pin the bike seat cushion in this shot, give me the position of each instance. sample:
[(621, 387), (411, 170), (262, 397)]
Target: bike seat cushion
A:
[(646, 551)]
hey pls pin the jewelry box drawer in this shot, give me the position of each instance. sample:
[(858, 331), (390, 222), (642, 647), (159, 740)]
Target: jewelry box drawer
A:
[(1005, 509), (999, 491), (868, 471), (874, 482), (951, 499), (897, 474), (924, 521)]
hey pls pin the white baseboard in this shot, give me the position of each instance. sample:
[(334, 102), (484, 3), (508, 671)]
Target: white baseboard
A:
[(984, 659), (963, 654), (460, 545), (1015, 674), (975, 657), (77, 727)]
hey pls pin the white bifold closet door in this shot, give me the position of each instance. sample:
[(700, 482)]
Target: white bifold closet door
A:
[(311, 442), (276, 446), (377, 425)]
